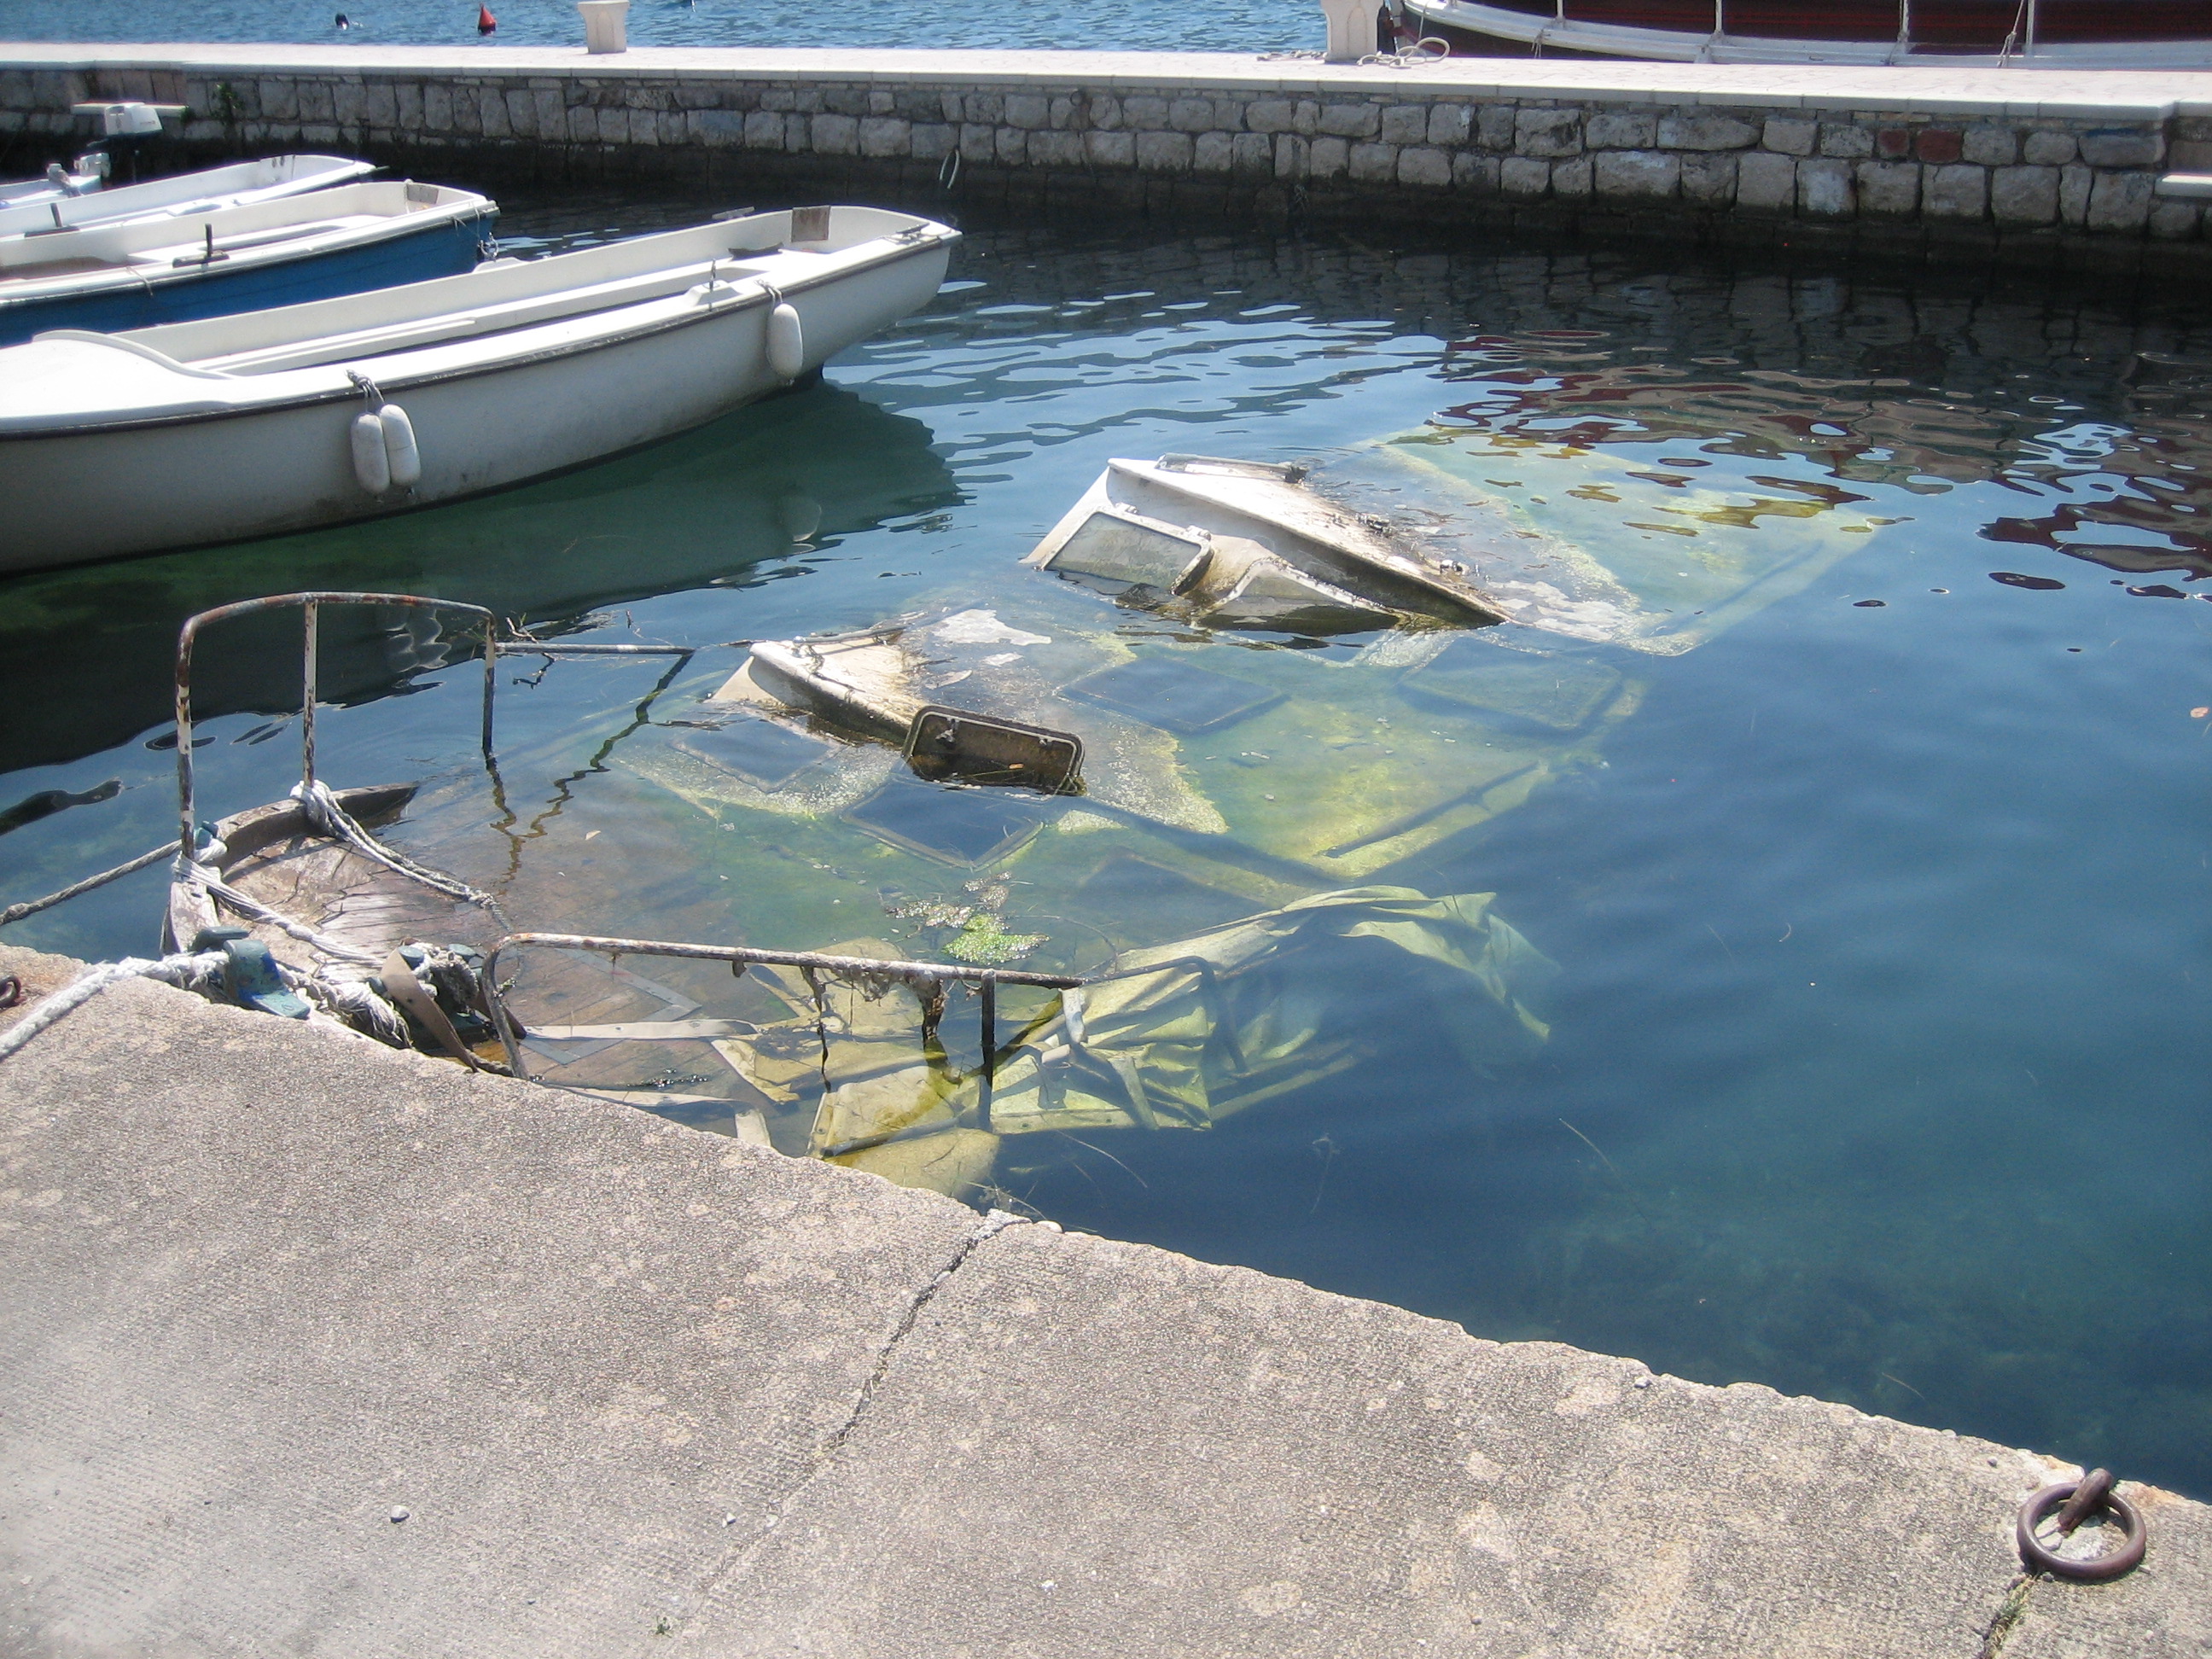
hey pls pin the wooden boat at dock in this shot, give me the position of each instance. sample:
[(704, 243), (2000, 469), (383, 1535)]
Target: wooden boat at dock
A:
[(2072, 34), (38, 206), (141, 272), (276, 421)]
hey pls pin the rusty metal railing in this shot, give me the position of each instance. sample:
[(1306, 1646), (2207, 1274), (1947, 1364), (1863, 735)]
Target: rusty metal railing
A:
[(986, 980), (310, 606)]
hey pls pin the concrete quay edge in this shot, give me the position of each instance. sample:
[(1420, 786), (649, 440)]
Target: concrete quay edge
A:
[(321, 1347), (2129, 95), (1667, 153)]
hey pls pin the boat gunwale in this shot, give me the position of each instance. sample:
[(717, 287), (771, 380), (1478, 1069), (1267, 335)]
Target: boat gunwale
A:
[(767, 294), (310, 242), (1632, 42), (347, 169)]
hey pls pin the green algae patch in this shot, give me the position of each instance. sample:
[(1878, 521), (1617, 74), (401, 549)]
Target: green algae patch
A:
[(983, 942)]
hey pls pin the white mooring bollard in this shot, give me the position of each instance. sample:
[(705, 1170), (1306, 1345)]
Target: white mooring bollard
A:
[(606, 25), (1351, 29)]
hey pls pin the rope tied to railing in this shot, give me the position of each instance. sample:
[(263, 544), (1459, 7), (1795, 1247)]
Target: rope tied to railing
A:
[(32, 907)]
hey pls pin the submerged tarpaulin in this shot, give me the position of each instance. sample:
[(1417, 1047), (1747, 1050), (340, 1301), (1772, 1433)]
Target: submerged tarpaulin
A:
[(1175, 1036)]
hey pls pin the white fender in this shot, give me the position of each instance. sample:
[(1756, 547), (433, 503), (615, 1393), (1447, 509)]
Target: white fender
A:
[(787, 342), (406, 460), (371, 464)]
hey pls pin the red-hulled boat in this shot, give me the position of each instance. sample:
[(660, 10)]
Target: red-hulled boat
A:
[(1955, 34)]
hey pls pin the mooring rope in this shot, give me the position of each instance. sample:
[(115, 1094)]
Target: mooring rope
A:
[(329, 815), (180, 970), (32, 907)]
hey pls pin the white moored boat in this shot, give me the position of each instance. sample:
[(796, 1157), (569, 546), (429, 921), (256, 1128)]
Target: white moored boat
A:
[(284, 420), (140, 273), (40, 205)]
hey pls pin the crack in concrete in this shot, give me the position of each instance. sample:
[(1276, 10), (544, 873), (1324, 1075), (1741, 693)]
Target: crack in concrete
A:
[(996, 1222), (2007, 1619), (992, 1225)]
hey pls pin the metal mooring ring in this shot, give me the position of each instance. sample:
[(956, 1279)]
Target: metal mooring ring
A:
[(12, 991), (2079, 1499)]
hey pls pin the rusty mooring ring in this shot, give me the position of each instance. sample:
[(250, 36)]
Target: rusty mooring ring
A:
[(2081, 1499), (12, 991)]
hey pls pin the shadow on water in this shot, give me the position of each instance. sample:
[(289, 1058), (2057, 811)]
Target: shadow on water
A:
[(1877, 1046)]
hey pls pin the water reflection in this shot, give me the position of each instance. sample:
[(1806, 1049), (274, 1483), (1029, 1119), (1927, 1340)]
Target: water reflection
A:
[(755, 495)]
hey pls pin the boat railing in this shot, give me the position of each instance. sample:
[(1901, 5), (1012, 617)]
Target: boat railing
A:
[(513, 1033), (311, 607)]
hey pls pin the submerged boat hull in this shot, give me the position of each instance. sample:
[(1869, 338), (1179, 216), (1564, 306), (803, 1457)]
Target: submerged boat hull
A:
[(439, 249), (226, 475)]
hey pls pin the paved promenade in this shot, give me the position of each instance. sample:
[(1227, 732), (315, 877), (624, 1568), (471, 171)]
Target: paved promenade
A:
[(2109, 170), (2117, 94), (316, 1348)]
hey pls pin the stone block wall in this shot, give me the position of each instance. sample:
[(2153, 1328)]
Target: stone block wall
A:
[(2078, 186)]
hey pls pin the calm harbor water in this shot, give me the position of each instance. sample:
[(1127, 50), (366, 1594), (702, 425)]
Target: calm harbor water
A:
[(1101, 25), (1878, 1038)]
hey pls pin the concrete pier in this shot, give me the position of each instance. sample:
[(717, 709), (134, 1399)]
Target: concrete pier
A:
[(2105, 170), (315, 1347)]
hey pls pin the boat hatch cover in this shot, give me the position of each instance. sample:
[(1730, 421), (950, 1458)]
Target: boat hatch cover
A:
[(951, 824), (1174, 695), (954, 746), (760, 751), (1562, 693)]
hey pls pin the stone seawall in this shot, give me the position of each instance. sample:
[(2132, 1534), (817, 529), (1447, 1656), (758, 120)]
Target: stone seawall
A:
[(2092, 169)]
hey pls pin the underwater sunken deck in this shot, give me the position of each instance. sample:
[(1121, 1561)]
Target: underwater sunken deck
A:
[(2104, 168), (318, 1345)]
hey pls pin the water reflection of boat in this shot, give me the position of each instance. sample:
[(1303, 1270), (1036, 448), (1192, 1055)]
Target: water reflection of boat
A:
[(730, 504), (245, 426), (139, 272), (2164, 34)]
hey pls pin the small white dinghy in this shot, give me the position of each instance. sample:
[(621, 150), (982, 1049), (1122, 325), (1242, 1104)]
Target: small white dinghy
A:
[(40, 206), (275, 420), (140, 273)]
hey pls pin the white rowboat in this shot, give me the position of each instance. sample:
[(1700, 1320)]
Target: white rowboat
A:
[(42, 208), (138, 273), (285, 420)]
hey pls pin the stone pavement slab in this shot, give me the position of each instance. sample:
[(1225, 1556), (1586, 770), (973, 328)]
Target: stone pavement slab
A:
[(1088, 1447), (636, 1388), (268, 1286), (2125, 95)]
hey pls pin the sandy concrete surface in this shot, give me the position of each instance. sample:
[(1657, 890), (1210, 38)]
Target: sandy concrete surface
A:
[(312, 1347)]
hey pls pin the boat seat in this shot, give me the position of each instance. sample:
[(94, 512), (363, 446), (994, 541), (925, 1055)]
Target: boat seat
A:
[(409, 332)]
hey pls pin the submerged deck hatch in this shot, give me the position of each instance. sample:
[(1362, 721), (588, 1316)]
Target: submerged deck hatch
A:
[(1561, 693), (949, 745), (759, 751), (951, 824), (1115, 550), (1172, 694)]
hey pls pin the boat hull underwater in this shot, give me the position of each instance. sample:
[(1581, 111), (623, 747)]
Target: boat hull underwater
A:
[(508, 374), (141, 273), (1184, 823)]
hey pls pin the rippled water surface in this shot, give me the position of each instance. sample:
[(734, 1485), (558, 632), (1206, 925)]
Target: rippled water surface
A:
[(1106, 25), (1877, 1043)]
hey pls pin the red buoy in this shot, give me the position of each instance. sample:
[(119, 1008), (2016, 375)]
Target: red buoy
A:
[(485, 21)]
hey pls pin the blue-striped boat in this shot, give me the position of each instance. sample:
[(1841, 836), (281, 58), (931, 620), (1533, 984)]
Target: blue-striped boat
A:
[(349, 239)]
